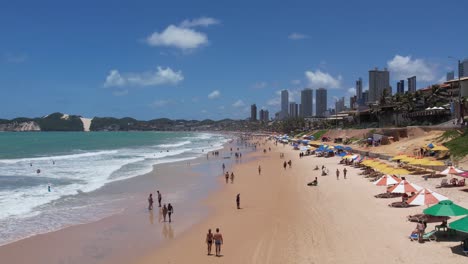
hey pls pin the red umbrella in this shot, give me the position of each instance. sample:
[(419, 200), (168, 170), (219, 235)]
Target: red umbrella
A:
[(426, 197), (404, 187), (387, 180)]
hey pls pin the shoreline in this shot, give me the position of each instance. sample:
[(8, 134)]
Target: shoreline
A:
[(134, 203)]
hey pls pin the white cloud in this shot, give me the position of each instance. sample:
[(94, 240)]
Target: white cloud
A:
[(160, 103), (296, 82), (404, 67), (352, 91), (221, 107), (159, 77), (274, 102), (120, 92), (201, 21), (297, 36), (178, 37), (204, 111), (319, 79), (238, 103), (215, 94), (259, 85)]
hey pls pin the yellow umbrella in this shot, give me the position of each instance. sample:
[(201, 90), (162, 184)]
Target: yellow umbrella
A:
[(367, 161), (439, 148), (419, 162), (311, 148), (401, 171), (380, 166), (388, 170), (435, 163), (408, 159), (399, 157)]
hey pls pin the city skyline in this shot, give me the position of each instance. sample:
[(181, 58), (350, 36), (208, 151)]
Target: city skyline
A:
[(208, 60)]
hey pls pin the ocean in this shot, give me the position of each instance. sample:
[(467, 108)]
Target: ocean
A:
[(74, 164)]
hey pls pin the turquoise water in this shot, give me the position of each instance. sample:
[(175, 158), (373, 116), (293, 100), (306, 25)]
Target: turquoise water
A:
[(41, 172)]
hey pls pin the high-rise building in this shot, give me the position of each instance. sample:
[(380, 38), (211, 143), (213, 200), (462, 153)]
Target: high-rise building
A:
[(412, 84), (253, 112), (284, 104), (359, 89), (340, 105), (378, 82), (353, 102), (365, 97), (293, 110), (320, 101), (401, 87), (264, 115), (306, 102), (463, 68), (450, 75)]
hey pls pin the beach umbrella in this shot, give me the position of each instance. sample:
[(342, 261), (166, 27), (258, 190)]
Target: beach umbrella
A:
[(399, 157), (404, 187), (355, 157), (463, 174), (451, 170), (380, 166), (367, 161), (388, 170), (387, 180), (439, 148), (339, 147), (348, 148), (435, 163), (400, 171), (407, 159), (419, 162), (460, 225), (446, 208), (426, 197)]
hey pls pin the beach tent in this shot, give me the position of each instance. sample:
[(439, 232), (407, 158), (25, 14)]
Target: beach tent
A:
[(387, 180), (426, 197), (405, 187), (446, 208), (460, 225)]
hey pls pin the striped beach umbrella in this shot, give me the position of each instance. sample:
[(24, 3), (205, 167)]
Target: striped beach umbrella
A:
[(405, 187), (387, 180), (426, 197), (451, 170)]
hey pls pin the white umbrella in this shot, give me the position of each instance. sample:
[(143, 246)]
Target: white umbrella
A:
[(405, 187), (426, 197), (451, 170)]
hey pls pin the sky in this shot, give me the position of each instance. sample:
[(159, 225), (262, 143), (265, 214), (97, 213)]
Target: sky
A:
[(213, 59)]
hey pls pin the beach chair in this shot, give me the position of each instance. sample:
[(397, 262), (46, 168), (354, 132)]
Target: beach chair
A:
[(312, 183), (398, 204), (464, 246), (443, 183), (461, 183), (430, 236)]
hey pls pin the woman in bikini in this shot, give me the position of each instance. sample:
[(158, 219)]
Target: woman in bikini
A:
[(209, 241)]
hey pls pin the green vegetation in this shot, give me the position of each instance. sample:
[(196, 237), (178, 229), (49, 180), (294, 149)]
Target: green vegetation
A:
[(110, 123), (319, 134), (450, 134), (459, 145), (55, 122)]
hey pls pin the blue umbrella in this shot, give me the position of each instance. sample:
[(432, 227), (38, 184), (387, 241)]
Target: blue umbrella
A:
[(348, 148)]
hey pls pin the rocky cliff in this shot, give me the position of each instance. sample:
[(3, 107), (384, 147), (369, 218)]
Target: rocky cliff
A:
[(20, 126)]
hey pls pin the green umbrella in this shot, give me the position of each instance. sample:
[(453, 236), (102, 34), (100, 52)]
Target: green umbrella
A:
[(446, 208), (460, 225)]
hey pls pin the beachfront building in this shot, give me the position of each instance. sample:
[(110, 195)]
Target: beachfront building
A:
[(378, 82), (412, 84), (264, 115), (359, 91), (293, 110), (365, 97), (253, 112), (464, 68), (284, 104), (340, 105), (306, 102), (401, 87), (353, 102), (450, 75), (320, 101)]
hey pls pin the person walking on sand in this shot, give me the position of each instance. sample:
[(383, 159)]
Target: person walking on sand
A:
[(164, 212), (284, 164), (226, 175), (259, 170), (159, 198), (218, 238), (344, 173), (209, 241), (224, 167), (232, 177), (150, 202), (290, 163), (170, 211), (337, 174), (238, 200)]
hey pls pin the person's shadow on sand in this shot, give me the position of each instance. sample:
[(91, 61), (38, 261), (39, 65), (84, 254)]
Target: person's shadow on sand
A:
[(151, 217)]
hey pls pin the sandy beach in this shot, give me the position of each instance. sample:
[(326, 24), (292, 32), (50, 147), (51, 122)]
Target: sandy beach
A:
[(284, 221), (281, 220)]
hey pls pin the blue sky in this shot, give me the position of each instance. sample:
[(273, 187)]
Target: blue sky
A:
[(207, 59)]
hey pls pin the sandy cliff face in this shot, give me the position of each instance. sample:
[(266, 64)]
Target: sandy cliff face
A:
[(23, 126)]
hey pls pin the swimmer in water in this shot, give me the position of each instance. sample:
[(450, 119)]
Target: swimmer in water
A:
[(38, 171), (48, 187)]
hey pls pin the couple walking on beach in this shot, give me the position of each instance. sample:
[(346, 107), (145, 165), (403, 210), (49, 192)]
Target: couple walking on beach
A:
[(150, 200), (217, 238), (167, 211), (338, 173)]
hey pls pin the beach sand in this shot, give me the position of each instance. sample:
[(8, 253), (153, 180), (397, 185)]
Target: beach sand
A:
[(284, 221), (281, 221)]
